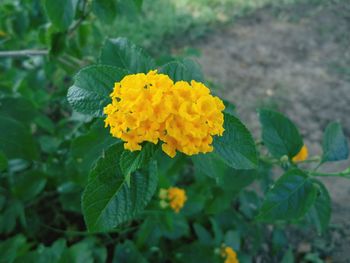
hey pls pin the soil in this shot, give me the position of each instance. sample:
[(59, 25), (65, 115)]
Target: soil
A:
[(295, 58)]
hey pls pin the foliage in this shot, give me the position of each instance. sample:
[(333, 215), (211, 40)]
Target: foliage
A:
[(70, 192)]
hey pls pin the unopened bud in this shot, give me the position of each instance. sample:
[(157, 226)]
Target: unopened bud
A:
[(163, 193), (163, 204), (284, 159)]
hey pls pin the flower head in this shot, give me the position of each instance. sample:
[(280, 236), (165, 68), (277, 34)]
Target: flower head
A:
[(174, 197), (151, 107), (301, 155), (229, 254)]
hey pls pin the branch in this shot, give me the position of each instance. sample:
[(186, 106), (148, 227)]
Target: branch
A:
[(25, 52), (345, 173), (80, 20)]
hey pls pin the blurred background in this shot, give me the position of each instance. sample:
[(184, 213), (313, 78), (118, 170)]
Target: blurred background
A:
[(291, 55)]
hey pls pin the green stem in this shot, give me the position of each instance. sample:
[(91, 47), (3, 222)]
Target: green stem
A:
[(312, 159), (269, 160), (345, 173)]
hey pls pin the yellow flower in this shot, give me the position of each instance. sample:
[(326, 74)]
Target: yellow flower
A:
[(229, 254), (174, 197), (151, 107), (302, 154)]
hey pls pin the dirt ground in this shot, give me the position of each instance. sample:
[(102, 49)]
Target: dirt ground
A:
[(295, 58)]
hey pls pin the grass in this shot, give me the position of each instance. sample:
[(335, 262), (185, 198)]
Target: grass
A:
[(162, 23)]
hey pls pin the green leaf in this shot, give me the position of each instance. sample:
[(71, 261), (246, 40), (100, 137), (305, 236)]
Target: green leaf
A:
[(60, 13), (279, 134), (230, 108), (121, 53), (288, 257), (335, 145), (236, 147), (203, 235), (70, 196), (128, 253), (228, 178), (289, 198), (233, 239), (13, 212), (92, 86), (16, 141), (10, 248), (3, 162), (29, 184), (320, 212), (130, 8), (235, 180), (210, 164), (106, 10), (19, 109), (107, 200), (185, 69), (131, 161), (84, 251), (58, 43), (88, 148), (47, 254)]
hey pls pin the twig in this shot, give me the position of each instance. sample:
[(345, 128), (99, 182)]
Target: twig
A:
[(25, 52), (80, 20), (345, 173)]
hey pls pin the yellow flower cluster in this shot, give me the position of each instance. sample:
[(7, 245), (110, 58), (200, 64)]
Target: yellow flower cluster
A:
[(229, 254), (302, 155), (151, 107), (174, 197)]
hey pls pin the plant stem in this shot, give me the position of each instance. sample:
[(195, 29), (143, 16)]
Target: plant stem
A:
[(77, 23), (25, 52), (345, 173)]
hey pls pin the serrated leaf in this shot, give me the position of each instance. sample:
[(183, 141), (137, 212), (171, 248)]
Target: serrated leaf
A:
[(16, 141), (185, 69), (131, 161), (289, 198), (335, 145), (210, 164), (92, 86), (236, 147), (60, 13), (121, 53), (107, 200), (320, 212), (88, 148), (279, 134)]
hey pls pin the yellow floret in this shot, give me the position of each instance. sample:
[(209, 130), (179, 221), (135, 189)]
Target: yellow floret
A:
[(229, 254), (151, 107), (302, 154), (174, 197)]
